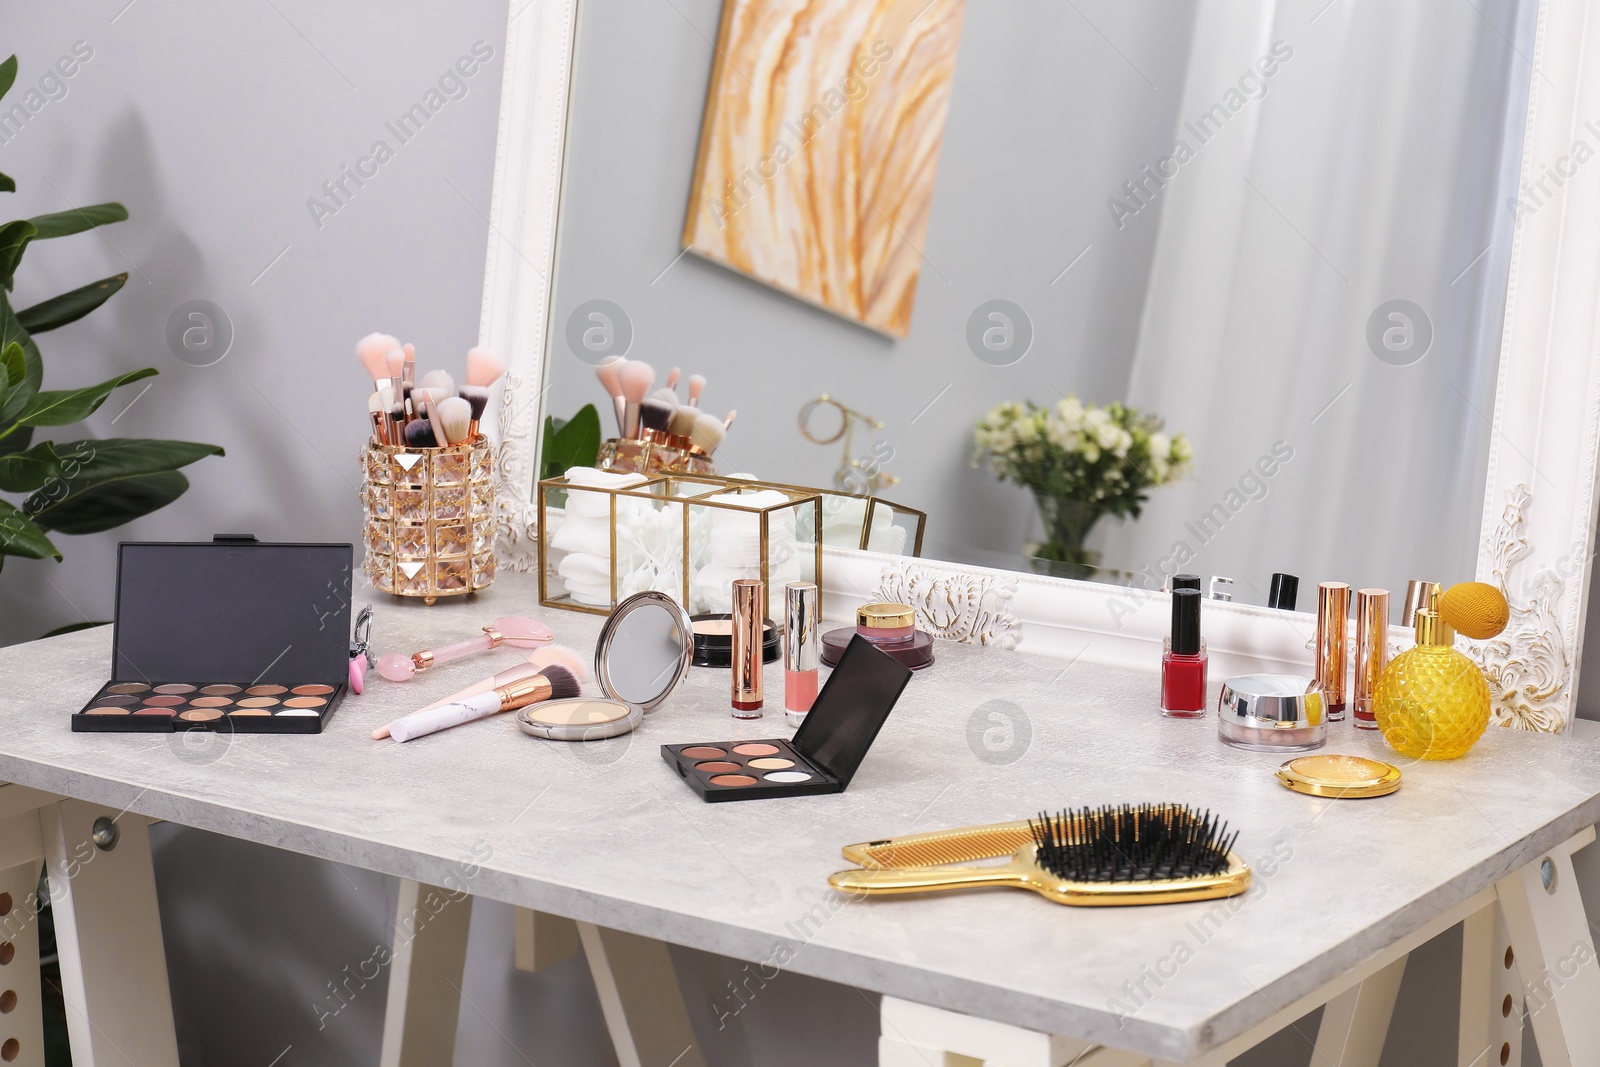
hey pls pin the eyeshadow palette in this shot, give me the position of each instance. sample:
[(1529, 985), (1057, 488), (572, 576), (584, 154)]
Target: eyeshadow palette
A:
[(230, 634), (240, 707), (826, 750)]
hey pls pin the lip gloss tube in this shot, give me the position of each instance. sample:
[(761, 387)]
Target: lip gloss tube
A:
[(802, 650), (1333, 613), (749, 615), (1372, 652)]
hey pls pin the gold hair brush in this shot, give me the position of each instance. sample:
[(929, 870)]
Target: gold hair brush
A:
[(1128, 854)]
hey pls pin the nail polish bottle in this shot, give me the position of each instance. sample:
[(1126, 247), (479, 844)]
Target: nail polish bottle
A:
[(1183, 663), (1284, 591)]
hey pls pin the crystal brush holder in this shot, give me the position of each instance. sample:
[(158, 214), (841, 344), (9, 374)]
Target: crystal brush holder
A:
[(428, 519)]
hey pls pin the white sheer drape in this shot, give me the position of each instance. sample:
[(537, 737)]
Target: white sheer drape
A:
[(1376, 167)]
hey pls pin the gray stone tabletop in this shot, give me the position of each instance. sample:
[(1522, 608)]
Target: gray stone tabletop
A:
[(605, 832)]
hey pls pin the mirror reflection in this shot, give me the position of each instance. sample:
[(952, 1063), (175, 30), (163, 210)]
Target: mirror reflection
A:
[(646, 653), (1108, 290)]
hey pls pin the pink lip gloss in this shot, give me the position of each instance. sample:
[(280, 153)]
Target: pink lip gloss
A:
[(802, 648)]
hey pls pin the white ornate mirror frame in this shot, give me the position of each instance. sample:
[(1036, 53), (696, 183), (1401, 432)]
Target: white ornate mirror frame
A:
[(1539, 517)]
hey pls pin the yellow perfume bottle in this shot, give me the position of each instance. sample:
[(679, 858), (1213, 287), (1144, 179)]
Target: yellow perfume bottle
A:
[(1432, 701)]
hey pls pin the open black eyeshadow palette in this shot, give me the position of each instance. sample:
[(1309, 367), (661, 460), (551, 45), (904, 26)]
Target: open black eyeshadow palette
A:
[(826, 750), (231, 634)]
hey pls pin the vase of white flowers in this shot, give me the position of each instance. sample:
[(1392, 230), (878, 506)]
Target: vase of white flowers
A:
[(1082, 462)]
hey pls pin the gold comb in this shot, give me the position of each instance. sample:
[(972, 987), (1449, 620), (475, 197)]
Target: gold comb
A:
[(937, 847)]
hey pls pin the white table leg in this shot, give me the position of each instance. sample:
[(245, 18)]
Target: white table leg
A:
[(108, 937), (543, 940), (1356, 1022), (426, 963), (1491, 993), (639, 996), (1554, 953)]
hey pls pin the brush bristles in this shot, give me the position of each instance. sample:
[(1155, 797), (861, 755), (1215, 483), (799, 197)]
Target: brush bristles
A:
[(1132, 843), (420, 435), (655, 414), (478, 397), (563, 685), (484, 367)]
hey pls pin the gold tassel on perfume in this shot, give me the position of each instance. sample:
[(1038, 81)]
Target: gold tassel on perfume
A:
[(1432, 701)]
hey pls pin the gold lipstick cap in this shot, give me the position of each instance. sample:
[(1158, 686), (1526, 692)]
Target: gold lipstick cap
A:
[(1372, 646), (1333, 613)]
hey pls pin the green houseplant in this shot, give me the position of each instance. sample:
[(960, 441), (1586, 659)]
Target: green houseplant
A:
[(82, 486)]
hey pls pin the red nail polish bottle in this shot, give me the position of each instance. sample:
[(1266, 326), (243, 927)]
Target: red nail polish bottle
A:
[(1183, 661)]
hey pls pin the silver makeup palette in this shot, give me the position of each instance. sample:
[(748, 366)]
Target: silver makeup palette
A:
[(826, 750), (231, 634)]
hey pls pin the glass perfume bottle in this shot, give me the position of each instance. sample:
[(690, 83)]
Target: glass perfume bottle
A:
[(1183, 659), (1432, 701)]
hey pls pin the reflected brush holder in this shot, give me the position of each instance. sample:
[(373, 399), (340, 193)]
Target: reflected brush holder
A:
[(428, 519), (661, 454)]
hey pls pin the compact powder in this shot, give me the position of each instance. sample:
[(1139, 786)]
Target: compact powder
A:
[(175, 687), (210, 702), (113, 701), (304, 702), (703, 752), (249, 711), (201, 715), (714, 627), (579, 713), (218, 690), (717, 767), (772, 763), (312, 690), (734, 779), (786, 776), (258, 702), (124, 711), (163, 702), (128, 687), (266, 690), (756, 750)]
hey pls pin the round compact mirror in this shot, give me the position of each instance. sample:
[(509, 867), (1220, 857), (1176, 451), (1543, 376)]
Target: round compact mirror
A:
[(644, 650)]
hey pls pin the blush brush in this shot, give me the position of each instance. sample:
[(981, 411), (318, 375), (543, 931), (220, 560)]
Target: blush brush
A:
[(1127, 854), (552, 683)]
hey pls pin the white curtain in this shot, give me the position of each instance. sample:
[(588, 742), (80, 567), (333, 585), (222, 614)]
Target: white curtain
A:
[(1376, 167)]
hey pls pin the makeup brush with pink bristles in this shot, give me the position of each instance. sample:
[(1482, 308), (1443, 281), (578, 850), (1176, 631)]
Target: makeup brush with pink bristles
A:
[(610, 375), (697, 385), (637, 378), (484, 368), (373, 352)]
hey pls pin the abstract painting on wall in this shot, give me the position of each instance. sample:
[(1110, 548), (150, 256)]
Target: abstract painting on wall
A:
[(819, 148)]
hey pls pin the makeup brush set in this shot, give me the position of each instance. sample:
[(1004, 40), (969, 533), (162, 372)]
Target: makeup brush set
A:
[(657, 415), (433, 412)]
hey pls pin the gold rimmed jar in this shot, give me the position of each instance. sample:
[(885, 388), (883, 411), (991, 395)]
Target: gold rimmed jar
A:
[(429, 519)]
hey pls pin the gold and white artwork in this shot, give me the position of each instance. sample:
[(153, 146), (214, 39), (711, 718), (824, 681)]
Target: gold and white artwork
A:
[(820, 145)]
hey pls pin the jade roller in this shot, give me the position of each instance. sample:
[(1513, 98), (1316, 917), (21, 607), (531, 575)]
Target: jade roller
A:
[(514, 630)]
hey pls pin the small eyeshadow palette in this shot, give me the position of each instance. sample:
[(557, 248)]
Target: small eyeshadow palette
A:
[(161, 708), (231, 634), (826, 750)]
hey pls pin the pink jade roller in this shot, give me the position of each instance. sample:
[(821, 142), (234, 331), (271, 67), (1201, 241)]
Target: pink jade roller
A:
[(514, 630)]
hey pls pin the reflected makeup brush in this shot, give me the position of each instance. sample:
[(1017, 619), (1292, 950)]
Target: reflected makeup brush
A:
[(484, 368), (672, 383), (682, 424), (697, 385), (708, 433), (637, 378), (655, 417), (727, 422), (610, 375), (518, 631), (551, 683)]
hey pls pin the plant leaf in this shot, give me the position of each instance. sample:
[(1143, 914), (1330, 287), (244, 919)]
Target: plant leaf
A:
[(14, 238), (105, 505), (24, 472), (20, 536), (571, 443), (24, 377), (7, 184), (106, 483), (8, 75), (76, 220), (69, 307), (60, 407)]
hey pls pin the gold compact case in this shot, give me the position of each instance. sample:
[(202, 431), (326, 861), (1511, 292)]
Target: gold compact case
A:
[(1341, 777)]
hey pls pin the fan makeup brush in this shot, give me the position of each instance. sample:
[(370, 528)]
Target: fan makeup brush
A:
[(1128, 854), (610, 375), (637, 378), (551, 683), (484, 368)]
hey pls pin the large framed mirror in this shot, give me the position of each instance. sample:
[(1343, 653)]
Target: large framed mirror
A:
[(1110, 291)]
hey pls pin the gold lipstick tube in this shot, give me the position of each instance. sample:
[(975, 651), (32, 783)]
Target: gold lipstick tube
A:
[(749, 613), (1333, 613), (1372, 653)]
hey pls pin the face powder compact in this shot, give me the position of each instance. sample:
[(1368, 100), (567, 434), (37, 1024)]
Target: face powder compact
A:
[(713, 640), (1272, 713), (1340, 777), (643, 653)]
